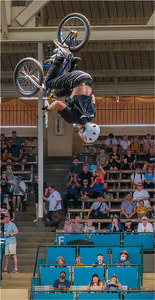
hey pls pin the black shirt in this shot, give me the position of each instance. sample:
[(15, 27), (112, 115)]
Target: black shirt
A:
[(130, 159), (150, 158), (87, 176)]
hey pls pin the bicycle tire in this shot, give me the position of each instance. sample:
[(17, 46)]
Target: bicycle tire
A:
[(31, 67), (86, 25)]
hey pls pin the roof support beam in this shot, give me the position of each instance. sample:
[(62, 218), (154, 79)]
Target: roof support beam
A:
[(151, 21), (24, 48), (33, 8), (131, 88), (104, 73), (98, 33), (4, 21)]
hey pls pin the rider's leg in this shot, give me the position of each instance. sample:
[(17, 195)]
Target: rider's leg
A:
[(54, 71)]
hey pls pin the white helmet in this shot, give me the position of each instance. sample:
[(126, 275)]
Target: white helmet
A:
[(91, 132)]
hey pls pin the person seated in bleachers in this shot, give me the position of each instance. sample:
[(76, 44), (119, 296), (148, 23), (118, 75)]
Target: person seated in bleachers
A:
[(86, 175), (85, 190), (141, 194), (110, 142), (76, 167), (130, 158), (2, 166), (5, 207), (97, 187), (145, 226), (5, 154), (153, 212), (100, 261), (16, 153), (60, 261), (113, 284), (149, 181), (77, 226), (137, 177), (18, 140), (135, 146), (149, 159), (61, 283), (78, 263), (9, 173), (124, 259), (90, 164), (99, 209), (99, 172), (67, 227), (72, 185), (89, 228), (141, 210), (103, 159), (147, 143), (95, 284), (124, 144), (128, 226), (128, 208), (125, 166), (115, 159), (17, 189), (4, 143), (115, 226)]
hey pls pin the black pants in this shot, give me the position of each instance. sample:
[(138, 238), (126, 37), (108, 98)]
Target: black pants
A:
[(75, 197), (64, 84)]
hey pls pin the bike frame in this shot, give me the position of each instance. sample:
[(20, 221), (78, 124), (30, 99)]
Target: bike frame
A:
[(72, 35)]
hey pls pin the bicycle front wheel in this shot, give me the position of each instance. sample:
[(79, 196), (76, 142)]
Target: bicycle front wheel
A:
[(28, 66), (74, 31)]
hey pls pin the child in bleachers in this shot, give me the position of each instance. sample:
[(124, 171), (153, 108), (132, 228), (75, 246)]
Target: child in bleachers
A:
[(9, 173), (89, 228), (67, 226), (5, 154), (129, 226), (85, 190), (141, 210), (135, 146), (100, 261)]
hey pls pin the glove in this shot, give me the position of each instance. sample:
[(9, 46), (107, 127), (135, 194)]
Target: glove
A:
[(45, 107)]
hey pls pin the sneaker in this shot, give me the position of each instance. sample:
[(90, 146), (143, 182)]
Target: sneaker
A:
[(35, 220), (5, 270), (62, 50), (17, 209), (15, 271)]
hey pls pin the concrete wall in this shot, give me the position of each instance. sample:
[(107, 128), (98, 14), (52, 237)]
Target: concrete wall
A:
[(58, 145)]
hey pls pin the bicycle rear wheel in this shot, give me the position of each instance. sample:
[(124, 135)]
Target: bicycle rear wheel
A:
[(28, 66), (74, 31)]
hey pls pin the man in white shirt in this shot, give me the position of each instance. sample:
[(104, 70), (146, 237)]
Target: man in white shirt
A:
[(54, 201), (137, 177), (124, 144), (145, 226), (109, 142), (141, 194)]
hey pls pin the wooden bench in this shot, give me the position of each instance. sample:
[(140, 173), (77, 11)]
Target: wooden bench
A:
[(22, 165), (25, 173), (110, 200)]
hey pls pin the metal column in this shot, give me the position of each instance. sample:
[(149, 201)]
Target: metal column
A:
[(40, 140)]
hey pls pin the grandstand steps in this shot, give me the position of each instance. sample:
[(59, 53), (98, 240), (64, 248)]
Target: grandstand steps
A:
[(16, 280), (148, 281), (30, 229)]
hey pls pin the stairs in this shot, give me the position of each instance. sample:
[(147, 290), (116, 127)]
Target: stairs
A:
[(148, 281)]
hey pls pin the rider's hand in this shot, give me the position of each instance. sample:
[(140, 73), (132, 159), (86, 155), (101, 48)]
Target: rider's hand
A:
[(45, 107)]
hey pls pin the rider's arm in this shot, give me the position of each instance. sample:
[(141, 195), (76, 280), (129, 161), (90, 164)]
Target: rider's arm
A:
[(93, 99), (81, 135)]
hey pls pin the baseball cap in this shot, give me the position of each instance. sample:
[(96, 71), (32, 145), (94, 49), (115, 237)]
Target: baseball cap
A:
[(111, 135), (14, 131), (144, 218)]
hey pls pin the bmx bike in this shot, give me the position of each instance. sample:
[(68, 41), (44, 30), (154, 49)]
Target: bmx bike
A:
[(73, 31)]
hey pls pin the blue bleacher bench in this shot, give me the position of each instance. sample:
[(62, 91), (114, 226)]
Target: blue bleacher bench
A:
[(144, 239), (127, 276), (141, 296), (82, 276), (68, 253), (95, 296), (52, 296), (106, 239), (89, 254)]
